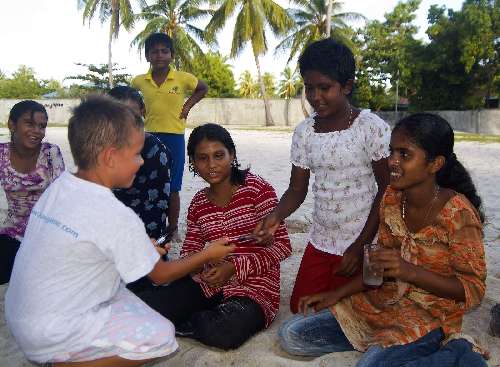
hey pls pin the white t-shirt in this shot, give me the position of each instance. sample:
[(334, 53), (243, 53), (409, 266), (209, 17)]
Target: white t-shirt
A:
[(81, 243), (344, 184)]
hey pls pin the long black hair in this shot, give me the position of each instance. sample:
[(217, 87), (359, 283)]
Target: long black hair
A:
[(215, 132), (435, 136)]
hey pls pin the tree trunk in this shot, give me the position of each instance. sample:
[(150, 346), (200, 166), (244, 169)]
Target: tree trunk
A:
[(303, 102), (269, 118), (110, 62), (287, 109), (328, 17), (396, 102)]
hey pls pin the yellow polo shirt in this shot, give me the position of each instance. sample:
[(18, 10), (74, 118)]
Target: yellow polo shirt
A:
[(164, 103)]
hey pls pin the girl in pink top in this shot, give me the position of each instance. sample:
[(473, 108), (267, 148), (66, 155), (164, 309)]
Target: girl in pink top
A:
[(27, 167)]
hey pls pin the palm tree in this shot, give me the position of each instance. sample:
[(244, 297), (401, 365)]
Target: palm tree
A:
[(248, 87), (254, 16), (120, 14), (313, 23), (269, 84), (288, 86), (175, 17)]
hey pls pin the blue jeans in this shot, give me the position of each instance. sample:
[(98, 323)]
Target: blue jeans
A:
[(320, 333), (313, 335), (426, 351)]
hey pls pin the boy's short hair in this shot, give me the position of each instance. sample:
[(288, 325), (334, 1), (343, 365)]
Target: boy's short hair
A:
[(96, 123), (155, 38), (124, 93), (330, 58)]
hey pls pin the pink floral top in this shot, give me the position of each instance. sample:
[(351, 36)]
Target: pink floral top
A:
[(23, 189)]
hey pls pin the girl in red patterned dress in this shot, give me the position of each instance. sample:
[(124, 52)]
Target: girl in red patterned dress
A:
[(224, 304), (432, 257)]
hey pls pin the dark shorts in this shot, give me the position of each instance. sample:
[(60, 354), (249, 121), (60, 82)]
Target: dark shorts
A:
[(177, 146)]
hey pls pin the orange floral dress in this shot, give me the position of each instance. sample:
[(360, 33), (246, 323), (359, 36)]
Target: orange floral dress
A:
[(400, 313)]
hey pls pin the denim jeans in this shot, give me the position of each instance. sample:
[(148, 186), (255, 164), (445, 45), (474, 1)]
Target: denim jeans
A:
[(313, 335), (426, 351), (320, 333)]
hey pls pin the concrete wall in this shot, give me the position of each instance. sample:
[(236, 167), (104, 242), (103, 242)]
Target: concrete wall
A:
[(477, 121), (250, 112), (58, 110)]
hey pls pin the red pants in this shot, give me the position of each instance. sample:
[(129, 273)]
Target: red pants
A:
[(316, 274)]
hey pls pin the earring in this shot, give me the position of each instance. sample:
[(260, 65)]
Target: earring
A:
[(192, 169), (235, 163)]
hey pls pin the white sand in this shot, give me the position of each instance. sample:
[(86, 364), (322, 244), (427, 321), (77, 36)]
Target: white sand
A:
[(268, 154)]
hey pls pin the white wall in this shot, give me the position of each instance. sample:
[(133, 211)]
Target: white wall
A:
[(250, 112)]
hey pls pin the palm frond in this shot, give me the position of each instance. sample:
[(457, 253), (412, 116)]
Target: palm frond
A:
[(220, 17)]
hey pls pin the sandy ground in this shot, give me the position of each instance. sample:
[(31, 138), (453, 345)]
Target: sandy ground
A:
[(267, 155)]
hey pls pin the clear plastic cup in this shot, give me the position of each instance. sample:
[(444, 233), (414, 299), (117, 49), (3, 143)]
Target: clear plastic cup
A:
[(372, 277)]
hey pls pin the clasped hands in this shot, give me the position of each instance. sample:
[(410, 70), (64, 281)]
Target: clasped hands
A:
[(218, 274)]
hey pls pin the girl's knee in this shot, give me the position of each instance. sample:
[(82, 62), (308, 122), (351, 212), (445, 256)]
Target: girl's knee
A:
[(220, 339), (291, 336)]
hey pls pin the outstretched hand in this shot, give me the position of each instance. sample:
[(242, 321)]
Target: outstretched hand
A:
[(219, 249), (265, 229)]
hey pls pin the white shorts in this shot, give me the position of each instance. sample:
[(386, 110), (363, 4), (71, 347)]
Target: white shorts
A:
[(134, 331)]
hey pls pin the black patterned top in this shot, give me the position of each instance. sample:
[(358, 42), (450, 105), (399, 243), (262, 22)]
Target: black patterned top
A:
[(150, 192)]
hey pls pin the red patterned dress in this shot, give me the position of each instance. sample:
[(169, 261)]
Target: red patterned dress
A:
[(257, 267)]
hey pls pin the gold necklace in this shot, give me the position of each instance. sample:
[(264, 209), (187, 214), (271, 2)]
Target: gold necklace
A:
[(431, 204), (349, 120)]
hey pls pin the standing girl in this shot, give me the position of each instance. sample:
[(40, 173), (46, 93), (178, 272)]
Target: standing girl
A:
[(346, 150), (27, 167), (432, 258), (226, 303)]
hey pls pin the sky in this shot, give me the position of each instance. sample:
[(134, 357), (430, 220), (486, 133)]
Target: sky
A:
[(49, 36)]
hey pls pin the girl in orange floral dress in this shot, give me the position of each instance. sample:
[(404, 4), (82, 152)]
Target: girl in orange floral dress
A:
[(432, 258)]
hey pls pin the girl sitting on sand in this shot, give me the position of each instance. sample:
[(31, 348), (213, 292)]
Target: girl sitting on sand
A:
[(226, 303), (432, 258), (27, 167)]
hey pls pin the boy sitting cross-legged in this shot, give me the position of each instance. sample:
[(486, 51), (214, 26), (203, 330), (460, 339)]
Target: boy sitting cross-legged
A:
[(67, 301)]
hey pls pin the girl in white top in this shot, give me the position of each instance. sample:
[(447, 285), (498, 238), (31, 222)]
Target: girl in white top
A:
[(346, 149)]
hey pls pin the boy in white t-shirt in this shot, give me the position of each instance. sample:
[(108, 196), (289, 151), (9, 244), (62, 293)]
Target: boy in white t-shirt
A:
[(67, 301)]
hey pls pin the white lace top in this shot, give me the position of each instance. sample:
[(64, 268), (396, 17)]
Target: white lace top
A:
[(344, 184)]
